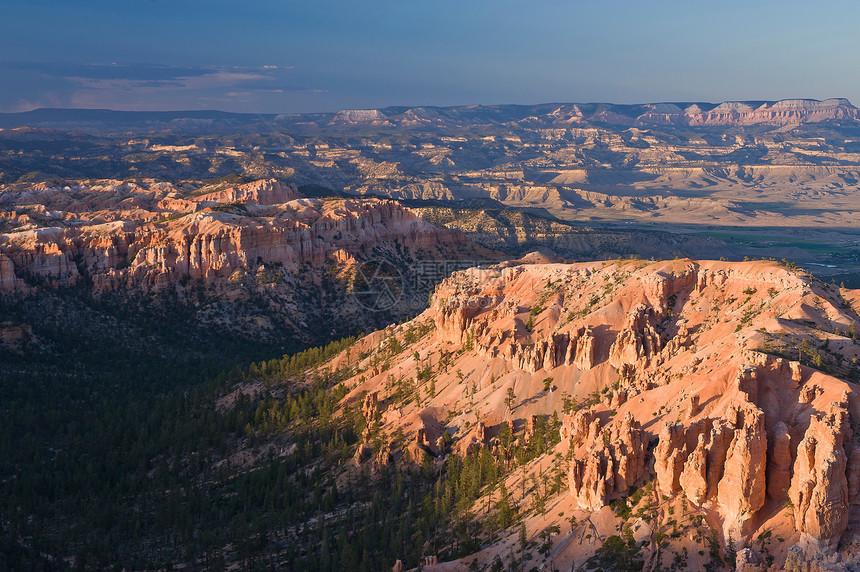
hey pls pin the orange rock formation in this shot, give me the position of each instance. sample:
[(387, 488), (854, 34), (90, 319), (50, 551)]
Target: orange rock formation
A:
[(687, 377)]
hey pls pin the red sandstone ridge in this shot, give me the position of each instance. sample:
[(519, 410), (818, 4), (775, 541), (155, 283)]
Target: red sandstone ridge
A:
[(265, 192), (151, 234), (688, 386), (245, 270)]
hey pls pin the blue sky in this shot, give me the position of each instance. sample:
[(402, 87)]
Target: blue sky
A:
[(272, 56)]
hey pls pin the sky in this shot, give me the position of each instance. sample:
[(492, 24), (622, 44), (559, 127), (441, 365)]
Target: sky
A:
[(281, 56)]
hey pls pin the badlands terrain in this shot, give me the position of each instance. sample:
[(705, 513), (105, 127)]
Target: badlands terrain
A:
[(255, 261), (788, 169), (261, 263), (699, 414), (563, 336)]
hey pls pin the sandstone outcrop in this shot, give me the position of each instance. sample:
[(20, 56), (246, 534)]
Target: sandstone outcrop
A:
[(741, 489), (263, 192), (569, 348), (670, 377), (9, 281), (779, 463), (614, 460), (577, 428), (638, 340), (370, 406), (362, 453), (819, 486)]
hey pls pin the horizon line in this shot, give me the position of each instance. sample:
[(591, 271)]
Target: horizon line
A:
[(456, 106)]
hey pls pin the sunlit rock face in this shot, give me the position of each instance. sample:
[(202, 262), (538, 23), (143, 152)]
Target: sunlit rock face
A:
[(682, 375)]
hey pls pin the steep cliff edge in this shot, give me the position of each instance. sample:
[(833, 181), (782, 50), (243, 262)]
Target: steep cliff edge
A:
[(214, 243), (204, 238), (718, 387), (256, 260)]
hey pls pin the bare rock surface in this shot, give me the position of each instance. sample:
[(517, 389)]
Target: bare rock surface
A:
[(670, 377)]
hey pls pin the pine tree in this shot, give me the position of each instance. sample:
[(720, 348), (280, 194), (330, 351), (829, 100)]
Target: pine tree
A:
[(509, 399), (507, 514)]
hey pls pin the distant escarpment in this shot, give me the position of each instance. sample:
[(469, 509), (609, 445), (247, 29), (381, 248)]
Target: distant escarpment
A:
[(738, 113), (711, 405), (782, 112), (519, 232)]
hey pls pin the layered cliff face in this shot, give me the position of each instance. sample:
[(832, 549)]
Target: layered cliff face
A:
[(221, 251), (211, 243), (718, 387), (782, 112)]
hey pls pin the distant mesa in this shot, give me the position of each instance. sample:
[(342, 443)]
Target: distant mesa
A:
[(697, 114), (785, 111), (682, 114), (349, 116)]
